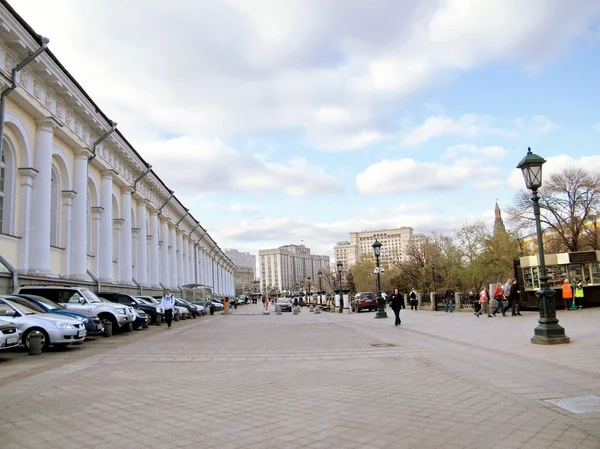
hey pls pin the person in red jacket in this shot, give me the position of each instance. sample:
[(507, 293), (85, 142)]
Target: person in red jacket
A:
[(484, 300), (499, 296)]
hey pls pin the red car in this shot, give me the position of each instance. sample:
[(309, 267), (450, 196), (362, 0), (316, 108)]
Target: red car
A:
[(364, 300)]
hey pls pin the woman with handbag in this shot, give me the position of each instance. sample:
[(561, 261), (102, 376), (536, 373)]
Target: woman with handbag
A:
[(499, 296), (484, 300)]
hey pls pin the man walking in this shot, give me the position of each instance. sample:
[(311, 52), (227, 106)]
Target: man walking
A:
[(413, 299), (167, 303), (506, 290), (449, 297), (515, 299), (397, 303)]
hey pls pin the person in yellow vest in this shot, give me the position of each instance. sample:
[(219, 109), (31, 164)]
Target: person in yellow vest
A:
[(567, 293), (578, 301)]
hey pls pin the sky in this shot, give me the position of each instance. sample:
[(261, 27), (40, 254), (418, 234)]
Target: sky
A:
[(298, 121)]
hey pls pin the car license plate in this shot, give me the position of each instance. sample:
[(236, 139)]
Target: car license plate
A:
[(12, 340), (80, 334)]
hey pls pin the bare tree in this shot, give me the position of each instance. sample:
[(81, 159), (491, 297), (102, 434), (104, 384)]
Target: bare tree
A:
[(569, 203)]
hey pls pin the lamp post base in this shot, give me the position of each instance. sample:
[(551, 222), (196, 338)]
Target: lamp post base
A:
[(381, 314), (549, 335)]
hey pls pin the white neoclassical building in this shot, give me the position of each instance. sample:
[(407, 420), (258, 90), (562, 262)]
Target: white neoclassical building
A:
[(78, 204)]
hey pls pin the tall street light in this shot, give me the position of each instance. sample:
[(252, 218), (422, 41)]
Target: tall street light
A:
[(320, 273), (380, 304), (340, 266), (434, 287), (548, 331), (309, 296)]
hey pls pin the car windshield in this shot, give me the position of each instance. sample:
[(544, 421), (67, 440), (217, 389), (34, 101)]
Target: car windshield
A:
[(51, 305), (283, 300), (20, 307), (144, 301), (367, 296), (27, 303), (91, 297)]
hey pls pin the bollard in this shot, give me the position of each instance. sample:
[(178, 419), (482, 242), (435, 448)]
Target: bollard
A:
[(278, 310), (107, 329), (317, 310), (158, 320), (312, 308), (35, 343), (176, 318)]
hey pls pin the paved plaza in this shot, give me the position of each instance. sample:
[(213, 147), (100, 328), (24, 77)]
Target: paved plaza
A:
[(248, 380)]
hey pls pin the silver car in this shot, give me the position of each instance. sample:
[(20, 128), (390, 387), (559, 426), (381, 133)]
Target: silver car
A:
[(9, 335), (54, 330)]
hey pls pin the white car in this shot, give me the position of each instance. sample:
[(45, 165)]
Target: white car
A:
[(9, 335), (54, 330)]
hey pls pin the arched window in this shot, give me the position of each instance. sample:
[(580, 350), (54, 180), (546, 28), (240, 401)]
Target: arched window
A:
[(54, 208), (7, 188), (2, 189)]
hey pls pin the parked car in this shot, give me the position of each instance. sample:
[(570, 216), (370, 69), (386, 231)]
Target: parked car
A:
[(83, 300), (54, 330), (216, 304), (194, 312), (9, 335), (364, 300), (92, 323), (141, 319), (150, 309), (286, 304)]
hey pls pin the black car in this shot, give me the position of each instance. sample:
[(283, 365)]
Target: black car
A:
[(150, 309), (186, 305), (92, 323)]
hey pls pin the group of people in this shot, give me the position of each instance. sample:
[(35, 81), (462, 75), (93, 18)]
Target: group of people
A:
[(507, 292), (571, 300)]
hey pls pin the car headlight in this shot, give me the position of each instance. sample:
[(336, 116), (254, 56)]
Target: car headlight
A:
[(160, 310), (85, 320), (122, 311), (63, 325)]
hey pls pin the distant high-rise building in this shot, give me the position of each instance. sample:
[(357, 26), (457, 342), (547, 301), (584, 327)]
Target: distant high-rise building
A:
[(288, 267), (498, 223), (395, 245)]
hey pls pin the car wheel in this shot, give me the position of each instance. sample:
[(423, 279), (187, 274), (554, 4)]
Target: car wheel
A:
[(128, 327), (36, 330)]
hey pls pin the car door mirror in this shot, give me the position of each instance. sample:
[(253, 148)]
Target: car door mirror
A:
[(81, 300), (10, 313)]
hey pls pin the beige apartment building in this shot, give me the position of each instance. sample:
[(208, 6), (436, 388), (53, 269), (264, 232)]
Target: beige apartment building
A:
[(290, 266), (395, 244)]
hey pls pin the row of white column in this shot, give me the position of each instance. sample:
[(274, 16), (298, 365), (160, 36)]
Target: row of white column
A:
[(175, 261)]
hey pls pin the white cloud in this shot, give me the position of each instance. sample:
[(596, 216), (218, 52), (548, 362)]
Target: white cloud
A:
[(555, 164), (243, 67), (495, 152), (195, 166), (408, 175), (475, 126)]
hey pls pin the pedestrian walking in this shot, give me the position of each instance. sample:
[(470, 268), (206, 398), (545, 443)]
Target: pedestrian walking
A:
[(578, 295), (515, 299), (449, 298), (567, 293), (413, 299), (235, 303), (484, 300), (499, 296), (506, 290), (397, 303), (168, 303)]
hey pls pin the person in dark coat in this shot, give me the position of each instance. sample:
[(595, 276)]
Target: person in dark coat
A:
[(397, 302)]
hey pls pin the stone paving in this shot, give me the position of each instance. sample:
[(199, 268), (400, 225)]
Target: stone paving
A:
[(248, 380)]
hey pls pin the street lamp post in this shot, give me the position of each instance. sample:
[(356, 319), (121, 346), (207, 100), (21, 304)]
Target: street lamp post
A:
[(548, 331), (381, 313), (320, 273), (434, 287), (340, 266), (309, 296)]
